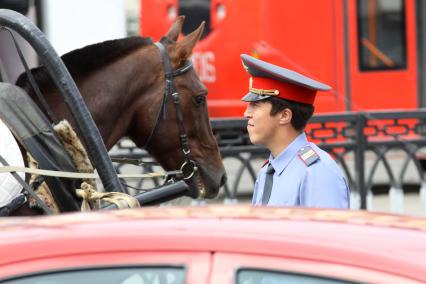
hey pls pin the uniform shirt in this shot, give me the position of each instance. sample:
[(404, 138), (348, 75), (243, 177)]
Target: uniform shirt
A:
[(320, 184)]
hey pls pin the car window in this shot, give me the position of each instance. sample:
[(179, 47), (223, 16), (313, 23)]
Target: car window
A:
[(276, 277), (134, 275)]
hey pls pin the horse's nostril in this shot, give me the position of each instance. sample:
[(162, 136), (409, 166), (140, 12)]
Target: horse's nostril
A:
[(223, 180)]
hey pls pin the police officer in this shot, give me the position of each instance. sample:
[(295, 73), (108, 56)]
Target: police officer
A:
[(297, 173)]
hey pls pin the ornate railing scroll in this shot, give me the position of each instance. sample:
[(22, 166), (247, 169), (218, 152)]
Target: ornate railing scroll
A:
[(387, 148), (396, 141)]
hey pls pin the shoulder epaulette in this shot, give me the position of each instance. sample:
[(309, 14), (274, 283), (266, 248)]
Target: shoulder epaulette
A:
[(308, 155)]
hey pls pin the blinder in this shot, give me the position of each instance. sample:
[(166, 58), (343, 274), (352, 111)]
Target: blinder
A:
[(189, 167)]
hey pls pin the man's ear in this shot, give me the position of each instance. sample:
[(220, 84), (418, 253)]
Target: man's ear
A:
[(285, 116)]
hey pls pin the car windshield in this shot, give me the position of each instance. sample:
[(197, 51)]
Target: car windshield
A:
[(275, 277), (141, 275)]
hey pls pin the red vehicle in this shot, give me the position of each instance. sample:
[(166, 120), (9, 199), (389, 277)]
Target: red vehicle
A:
[(369, 51), (215, 245)]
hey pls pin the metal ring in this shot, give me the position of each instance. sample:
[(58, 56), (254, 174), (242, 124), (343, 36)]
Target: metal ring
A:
[(193, 171)]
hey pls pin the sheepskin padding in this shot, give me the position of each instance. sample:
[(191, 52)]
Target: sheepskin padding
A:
[(76, 150)]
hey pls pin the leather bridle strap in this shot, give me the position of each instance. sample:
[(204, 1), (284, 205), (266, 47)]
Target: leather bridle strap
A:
[(170, 87), (172, 91)]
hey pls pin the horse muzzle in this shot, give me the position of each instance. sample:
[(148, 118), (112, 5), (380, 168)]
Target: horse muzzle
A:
[(191, 175), (204, 184)]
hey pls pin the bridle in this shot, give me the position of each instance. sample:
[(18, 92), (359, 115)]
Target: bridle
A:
[(189, 167)]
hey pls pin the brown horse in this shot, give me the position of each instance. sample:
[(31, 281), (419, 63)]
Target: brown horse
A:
[(123, 83)]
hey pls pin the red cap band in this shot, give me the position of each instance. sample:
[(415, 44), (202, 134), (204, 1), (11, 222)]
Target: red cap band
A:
[(289, 91)]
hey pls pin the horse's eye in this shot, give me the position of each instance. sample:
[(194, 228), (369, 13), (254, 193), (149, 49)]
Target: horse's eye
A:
[(199, 100)]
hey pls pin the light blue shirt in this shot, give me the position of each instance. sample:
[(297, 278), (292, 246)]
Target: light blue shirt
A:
[(320, 184)]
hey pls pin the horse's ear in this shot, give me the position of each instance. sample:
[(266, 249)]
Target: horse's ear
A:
[(175, 29), (185, 46)]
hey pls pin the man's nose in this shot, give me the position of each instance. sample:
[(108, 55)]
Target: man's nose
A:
[(247, 112)]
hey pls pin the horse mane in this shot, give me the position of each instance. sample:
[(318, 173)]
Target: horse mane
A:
[(85, 60)]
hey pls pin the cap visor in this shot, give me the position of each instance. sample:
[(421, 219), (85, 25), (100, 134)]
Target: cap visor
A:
[(250, 97)]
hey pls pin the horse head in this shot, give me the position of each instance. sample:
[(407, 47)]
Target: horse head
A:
[(175, 108), (124, 85)]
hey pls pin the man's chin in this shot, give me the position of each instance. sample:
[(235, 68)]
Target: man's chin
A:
[(254, 141)]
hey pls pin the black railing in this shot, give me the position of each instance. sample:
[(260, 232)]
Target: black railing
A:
[(371, 148)]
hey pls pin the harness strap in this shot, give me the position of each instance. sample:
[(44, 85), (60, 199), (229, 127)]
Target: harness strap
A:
[(189, 167), (157, 120), (171, 89), (167, 64), (183, 136), (170, 86), (61, 174), (133, 161), (182, 70), (163, 103), (30, 76), (40, 202)]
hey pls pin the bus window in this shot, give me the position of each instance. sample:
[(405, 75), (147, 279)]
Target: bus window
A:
[(381, 34), (195, 11)]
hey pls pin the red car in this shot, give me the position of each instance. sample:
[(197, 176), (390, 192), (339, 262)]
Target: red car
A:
[(216, 245)]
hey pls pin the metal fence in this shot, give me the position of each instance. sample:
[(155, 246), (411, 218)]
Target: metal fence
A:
[(385, 149)]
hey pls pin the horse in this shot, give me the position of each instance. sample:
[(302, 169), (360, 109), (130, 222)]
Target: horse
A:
[(124, 83)]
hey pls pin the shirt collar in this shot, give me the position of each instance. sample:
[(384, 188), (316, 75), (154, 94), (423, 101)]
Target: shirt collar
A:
[(284, 158)]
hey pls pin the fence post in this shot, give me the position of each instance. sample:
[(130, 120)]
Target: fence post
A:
[(360, 159)]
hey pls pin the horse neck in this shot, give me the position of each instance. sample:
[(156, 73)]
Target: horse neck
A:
[(120, 87)]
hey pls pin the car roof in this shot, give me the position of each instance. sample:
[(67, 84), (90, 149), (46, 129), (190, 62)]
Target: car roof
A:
[(358, 238)]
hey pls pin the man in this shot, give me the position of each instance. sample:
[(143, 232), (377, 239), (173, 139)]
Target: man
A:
[(298, 173)]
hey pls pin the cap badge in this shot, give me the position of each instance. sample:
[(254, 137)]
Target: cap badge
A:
[(262, 92)]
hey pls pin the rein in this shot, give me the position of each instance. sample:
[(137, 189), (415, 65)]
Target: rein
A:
[(188, 166)]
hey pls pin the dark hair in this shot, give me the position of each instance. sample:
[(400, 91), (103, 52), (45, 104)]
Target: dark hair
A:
[(301, 112)]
